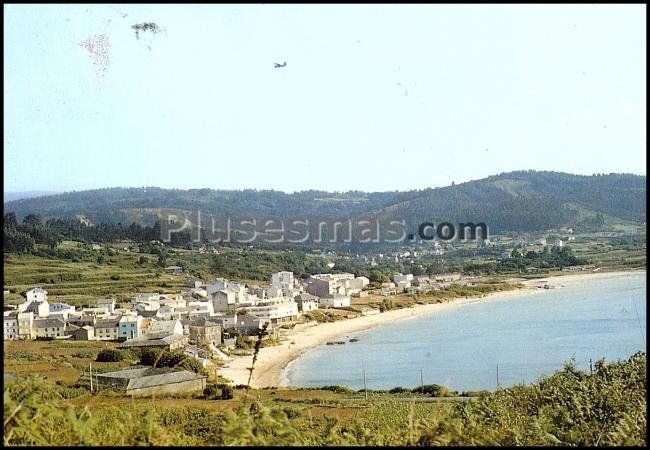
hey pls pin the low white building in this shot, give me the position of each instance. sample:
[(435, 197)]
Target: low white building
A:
[(107, 304), (275, 310), (307, 302), (403, 281), (166, 326), (334, 301), (61, 310), (145, 297), (146, 305)]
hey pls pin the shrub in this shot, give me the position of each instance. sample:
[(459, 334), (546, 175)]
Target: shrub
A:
[(109, 355), (399, 390), (433, 390), (192, 365), (148, 356), (226, 392), (218, 391), (337, 389), (291, 412)]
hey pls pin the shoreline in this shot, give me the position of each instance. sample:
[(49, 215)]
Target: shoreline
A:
[(272, 362)]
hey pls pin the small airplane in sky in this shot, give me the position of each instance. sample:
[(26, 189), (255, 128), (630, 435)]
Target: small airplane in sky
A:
[(280, 65)]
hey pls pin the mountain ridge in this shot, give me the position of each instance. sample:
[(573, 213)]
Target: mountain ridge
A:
[(519, 200)]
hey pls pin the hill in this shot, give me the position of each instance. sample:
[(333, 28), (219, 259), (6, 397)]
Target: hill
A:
[(10, 196), (514, 201)]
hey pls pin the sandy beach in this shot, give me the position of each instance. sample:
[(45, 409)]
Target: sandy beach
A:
[(272, 360)]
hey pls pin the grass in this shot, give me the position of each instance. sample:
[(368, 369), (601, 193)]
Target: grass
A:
[(570, 408)]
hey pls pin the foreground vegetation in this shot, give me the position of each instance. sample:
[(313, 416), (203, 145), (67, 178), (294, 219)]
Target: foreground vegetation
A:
[(571, 407)]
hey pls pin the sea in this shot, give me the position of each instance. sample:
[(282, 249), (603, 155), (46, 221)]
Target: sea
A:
[(498, 342)]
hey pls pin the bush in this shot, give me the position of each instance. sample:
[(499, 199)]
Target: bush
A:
[(399, 390), (226, 392), (433, 390), (148, 356), (192, 365), (218, 391), (291, 412), (337, 389), (109, 355)]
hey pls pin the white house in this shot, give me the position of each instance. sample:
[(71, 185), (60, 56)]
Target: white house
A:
[(281, 279), (202, 307), (146, 305), (10, 320), (359, 283), (41, 309), (26, 325), (334, 301), (36, 295), (108, 304), (130, 326), (145, 297), (107, 329), (166, 326), (306, 302), (403, 281), (49, 328), (61, 310), (275, 310)]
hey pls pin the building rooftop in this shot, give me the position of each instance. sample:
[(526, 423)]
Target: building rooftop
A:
[(43, 323), (149, 377), (152, 340)]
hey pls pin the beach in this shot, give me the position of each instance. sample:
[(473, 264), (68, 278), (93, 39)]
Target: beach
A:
[(272, 360)]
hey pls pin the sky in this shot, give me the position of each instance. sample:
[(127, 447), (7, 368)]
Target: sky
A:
[(372, 97)]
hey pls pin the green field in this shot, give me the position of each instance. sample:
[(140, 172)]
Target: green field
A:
[(48, 406)]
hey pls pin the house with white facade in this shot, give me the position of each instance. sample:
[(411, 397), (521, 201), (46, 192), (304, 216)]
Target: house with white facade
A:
[(107, 329), (146, 305), (49, 328), (61, 310), (306, 302), (40, 307), (10, 320), (166, 326), (145, 297), (334, 301), (402, 281), (107, 304), (26, 325), (274, 310), (36, 295), (129, 326)]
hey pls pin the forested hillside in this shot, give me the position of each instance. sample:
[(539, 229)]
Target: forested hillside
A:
[(515, 201)]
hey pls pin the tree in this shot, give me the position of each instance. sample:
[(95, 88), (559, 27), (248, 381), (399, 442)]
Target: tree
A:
[(109, 355), (162, 260), (33, 220), (10, 219)]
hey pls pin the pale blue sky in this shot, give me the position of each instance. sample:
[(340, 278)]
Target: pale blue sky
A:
[(373, 98)]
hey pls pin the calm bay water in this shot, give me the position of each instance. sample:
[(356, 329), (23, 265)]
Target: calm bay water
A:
[(527, 335)]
